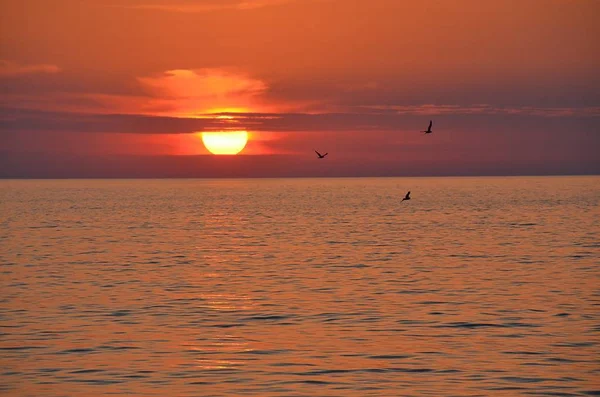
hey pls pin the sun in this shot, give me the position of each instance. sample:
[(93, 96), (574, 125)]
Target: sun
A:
[(225, 142)]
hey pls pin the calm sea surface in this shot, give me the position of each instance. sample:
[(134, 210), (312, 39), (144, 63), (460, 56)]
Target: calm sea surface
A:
[(300, 287)]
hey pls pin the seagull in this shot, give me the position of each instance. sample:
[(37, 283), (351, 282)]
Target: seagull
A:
[(321, 156), (407, 197), (429, 128)]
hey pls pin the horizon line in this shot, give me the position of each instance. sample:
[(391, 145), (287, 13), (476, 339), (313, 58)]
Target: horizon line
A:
[(3, 178)]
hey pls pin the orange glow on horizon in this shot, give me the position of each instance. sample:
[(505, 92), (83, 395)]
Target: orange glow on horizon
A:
[(216, 111)]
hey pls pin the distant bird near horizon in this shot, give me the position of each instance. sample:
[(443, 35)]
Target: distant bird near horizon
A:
[(321, 156), (407, 197), (428, 131)]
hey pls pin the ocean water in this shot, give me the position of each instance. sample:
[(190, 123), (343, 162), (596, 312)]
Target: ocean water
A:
[(300, 287)]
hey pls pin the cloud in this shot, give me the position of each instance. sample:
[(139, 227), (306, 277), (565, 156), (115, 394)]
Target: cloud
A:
[(177, 92), (11, 69), (182, 101), (184, 91), (15, 120), (433, 110)]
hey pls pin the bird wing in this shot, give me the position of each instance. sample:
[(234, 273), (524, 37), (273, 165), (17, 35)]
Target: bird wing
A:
[(325, 154), (430, 123), (407, 195), (318, 154)]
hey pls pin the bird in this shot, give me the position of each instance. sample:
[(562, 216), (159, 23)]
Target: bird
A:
[(429, 128), (321, 156), (407, 197)]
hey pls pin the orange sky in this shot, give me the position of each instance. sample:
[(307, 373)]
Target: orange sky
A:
[(85, 81)]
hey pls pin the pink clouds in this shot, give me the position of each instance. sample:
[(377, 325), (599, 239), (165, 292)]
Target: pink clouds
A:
[(11, 69), (188, 92), (179, 92), (486, 109)]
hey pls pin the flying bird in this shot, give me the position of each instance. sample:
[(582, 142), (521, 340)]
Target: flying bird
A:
[(429, 128), (407, 197), (321, 156)]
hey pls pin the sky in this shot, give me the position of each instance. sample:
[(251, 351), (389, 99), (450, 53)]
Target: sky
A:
[(108, 88)]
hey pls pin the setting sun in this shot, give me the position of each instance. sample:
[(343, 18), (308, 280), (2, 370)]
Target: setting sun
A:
[(225, 142)]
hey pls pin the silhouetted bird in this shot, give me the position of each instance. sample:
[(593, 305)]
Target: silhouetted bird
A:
[(321, 156), (407, 197), (429, 128)]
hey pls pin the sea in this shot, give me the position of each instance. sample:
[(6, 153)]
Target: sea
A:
[(477, 286)]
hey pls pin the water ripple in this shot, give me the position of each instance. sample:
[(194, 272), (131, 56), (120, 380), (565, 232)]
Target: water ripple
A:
[(300, 287)]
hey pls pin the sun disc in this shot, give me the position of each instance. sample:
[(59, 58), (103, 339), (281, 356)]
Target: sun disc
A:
[(225, 142)]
